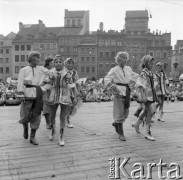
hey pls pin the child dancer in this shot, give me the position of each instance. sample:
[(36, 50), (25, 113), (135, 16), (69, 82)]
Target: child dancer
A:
[(69, 64), (60, 95), (118, 79), (161, 89), (46, 108), (147, 95)]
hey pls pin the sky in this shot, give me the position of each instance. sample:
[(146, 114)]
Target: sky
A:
[(166, 14)]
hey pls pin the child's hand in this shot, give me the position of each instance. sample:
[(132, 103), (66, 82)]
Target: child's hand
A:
[(75, 101)]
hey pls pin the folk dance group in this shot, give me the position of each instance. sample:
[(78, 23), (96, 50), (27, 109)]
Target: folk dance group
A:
[(55, 85)]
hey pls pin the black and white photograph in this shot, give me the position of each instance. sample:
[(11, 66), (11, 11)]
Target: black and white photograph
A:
[(91, 89)]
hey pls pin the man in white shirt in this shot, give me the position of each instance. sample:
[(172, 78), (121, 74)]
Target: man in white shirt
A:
[(30, 79), (118, 79)]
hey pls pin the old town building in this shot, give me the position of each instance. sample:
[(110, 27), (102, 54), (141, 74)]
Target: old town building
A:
[(6, 61), (177, 61), (92, 52)]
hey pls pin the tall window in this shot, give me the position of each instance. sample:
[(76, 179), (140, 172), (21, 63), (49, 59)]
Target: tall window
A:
[(158, 54), (113, 42), (113, 54), (28, 47), (7, 60), (48, 45), (1, 69), (75, 49), (22, 47), (164, 54), (1, 51), (151, 53), (22, 58), (100, 66), (79, 22), (101, 54), (16, 47), (7, 51), (1, 60), (106, 54), (101, 43), (107, 43), (16, 58), (62, 49), (7, 70), (93, 69), (73, 23), (54, 45), (16, 69), (119, 43)]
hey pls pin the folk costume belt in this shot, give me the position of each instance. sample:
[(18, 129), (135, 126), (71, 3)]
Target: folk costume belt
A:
[(127, 97)]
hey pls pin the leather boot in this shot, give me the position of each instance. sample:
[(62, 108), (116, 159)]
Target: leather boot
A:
[(136, 125), (121, 132), (32, 137), (61, 140), (26, 131), (115, 126), (52, 133), (148, 133)]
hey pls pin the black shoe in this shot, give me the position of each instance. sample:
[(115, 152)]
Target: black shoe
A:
[(26, 131), (33, 141), (122, 137), (115, 126)]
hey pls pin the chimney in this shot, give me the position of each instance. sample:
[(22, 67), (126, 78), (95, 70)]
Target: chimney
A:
[(20, 26), (41, 25), (101, 26)]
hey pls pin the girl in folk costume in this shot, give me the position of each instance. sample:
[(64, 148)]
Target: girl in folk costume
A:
[(146, 95), (161, 82), (69, 64), (46, 108), (118, 80), (60, 95)]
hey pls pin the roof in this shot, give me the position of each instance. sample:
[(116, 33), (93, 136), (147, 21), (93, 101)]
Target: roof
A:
[(137, 14), (28, 31), (49, 32), (11, 35), (70, 31), (74, 14)]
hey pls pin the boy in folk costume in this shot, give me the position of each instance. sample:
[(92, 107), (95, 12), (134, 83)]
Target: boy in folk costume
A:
[(118, 80), (60, 95), (161, 82), (69, 64), (30, 79), (147, 95)]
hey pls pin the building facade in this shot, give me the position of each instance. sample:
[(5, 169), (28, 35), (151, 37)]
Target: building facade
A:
[(92, 52), (6, 60), (177, 61)]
